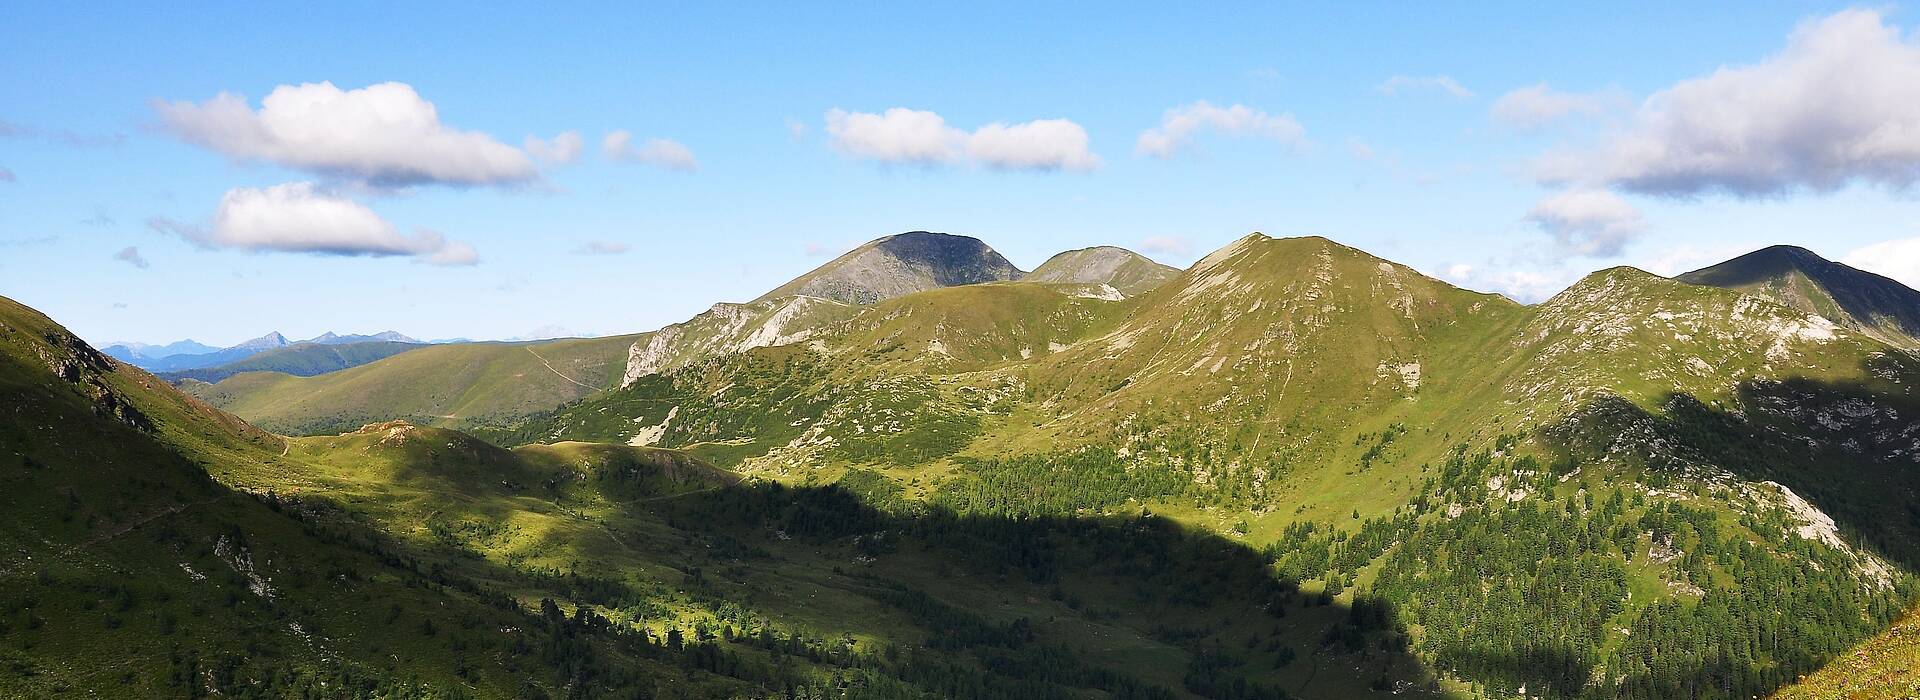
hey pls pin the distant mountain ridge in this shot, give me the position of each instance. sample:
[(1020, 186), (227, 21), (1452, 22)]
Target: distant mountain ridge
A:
[(129, 351), (203, 357), (1797, 277), (303, 359)]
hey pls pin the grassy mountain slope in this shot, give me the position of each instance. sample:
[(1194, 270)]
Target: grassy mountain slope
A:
[(877, 597), (1127, 272), (900, 264), (128, 572), (1689, 463), (300, 360), (1799, 278), (1885, 667), (458, 384)]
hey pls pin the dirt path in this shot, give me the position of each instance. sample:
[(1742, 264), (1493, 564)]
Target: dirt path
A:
[(556, 372), (123, 529)]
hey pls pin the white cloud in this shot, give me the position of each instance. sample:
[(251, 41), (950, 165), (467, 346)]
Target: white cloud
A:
[(1041, 144), (1177, 246), (1535, 106), (898, 135), (665, 153), (1525, 286), (602, 248), (131, 256), (1687, 258), (1588, 222), (298, 217), (1179, 125), (1840, 104), (1398, 84), (382, 134), (915, 137), (562, 149), (1898, 258)]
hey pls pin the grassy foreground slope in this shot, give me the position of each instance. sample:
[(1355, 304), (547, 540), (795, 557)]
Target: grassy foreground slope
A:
[(1886, 667), (451, 385), (125, 571)]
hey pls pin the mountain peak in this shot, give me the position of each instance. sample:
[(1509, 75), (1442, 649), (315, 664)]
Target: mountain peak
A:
[(900, 264), (1797, 277), (265, 342), (1128, 272)]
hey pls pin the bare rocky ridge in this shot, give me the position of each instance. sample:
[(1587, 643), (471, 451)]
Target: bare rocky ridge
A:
[(728, 328)]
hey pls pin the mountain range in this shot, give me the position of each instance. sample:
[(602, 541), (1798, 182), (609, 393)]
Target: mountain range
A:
[(1293, 469), (189, 355)]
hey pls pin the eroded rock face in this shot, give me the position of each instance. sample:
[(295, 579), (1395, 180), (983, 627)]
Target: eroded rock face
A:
[(77, 363), (901, 264), (729, 328)]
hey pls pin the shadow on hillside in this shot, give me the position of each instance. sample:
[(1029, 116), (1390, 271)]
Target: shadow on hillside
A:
[(1861, 466), (1193, 586)]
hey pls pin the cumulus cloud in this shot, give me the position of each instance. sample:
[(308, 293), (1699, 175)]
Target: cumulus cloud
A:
[(131, 256), (1403, 84), (1179, 125), (1535, 106), (1898, 258), (1588, 222), (898, 135), (299, 217), (1841, 104), (601, 248), (915, 137), (562, 149), (1041, 144), (1177, 246), (1677, 259), (664, 153), (384, 134), (1523, 285)]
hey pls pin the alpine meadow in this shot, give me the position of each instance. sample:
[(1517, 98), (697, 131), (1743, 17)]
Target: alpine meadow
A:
[(1580, 361)]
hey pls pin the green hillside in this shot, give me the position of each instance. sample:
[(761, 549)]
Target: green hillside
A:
[(127, 572), (1295, 469), (1358, 421), (399, 561), (1886, 667), (301, 360), (450, 385)]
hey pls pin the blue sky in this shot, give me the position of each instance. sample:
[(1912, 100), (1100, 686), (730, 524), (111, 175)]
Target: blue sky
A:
[(1395, 129)]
